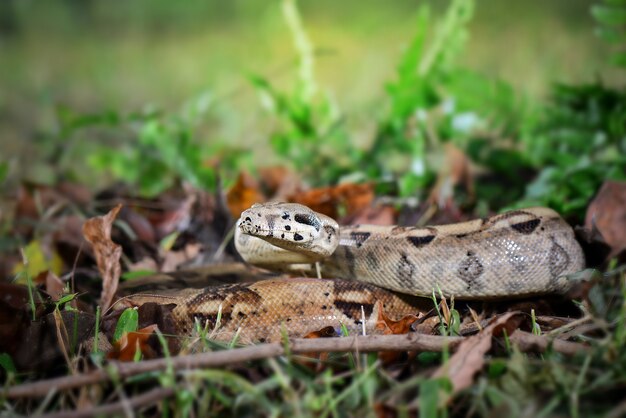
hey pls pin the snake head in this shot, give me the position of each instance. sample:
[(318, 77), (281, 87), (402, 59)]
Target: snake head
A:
[(291, 226)]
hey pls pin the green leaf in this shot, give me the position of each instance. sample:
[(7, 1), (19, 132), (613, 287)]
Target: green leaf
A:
[(130, 275), (64, 299), (429, 398), (168, 241), (619, 59), (610, 35), (4, 170), (6, 362), (609, 15), (497, 367), (128, 322)]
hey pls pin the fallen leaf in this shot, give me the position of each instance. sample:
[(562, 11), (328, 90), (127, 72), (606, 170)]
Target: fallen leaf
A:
[(320, 357), (350, 198), (384, 215), (176, 217), (126, 349), (390, 326), (470, 356), (39, 345), (173, 259), (326, 332), (455, 171), (244, 193), (279, 182), (97, 231), (607, 214), (53, 284), (37, 257), (139, 223)]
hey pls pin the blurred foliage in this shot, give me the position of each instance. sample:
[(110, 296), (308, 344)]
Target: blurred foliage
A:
[(611, 18), (309, 133), (162, 150), (576, 143), (554, 154)]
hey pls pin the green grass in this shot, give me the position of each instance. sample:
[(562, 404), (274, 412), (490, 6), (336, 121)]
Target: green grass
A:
[(350, 91), (134, 56)]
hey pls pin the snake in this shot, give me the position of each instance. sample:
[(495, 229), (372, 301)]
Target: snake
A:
[(374, 271)]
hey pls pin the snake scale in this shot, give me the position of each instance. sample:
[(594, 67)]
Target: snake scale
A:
[(513, 254)]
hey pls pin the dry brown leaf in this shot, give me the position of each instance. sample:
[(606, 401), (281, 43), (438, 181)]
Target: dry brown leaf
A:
[(320, 357), (176, 218), (326, 332), (470, 356), (352, 197), (377, 215), (139, 223), (607, 213), (454, 172), (97, 231), (174, 259), (53, 284), (244, 193), (126, 348), (390, 326), (279, 182)]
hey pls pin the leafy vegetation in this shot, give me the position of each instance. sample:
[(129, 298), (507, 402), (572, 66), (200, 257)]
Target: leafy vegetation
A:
[(555, 154), (527, 152)]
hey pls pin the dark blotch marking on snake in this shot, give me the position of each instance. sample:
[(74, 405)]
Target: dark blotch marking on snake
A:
[(359, 237), (470, 269), (350, 261), (372, 260), (558, 259), (271, 221), (353, 309), (232, 294), (330, 231), (297, 237), (211, 318), (285, 216), (307, 219), (526, 227), (405, 269), (420, 241), (486, 222), (398, 230)]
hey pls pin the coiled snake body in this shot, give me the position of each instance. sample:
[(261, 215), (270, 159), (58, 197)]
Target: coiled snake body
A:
[(517, 253)]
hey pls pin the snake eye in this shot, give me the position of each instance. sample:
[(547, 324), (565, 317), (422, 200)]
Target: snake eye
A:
[(307, 219)]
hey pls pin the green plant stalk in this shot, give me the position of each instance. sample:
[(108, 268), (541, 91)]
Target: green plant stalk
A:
[(306, 77), (31, 297), (97, 331)]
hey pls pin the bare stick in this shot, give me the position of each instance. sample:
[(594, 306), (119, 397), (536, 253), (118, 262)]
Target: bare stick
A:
[(221, 358), (539, 343), (406, 342), (145, 399)]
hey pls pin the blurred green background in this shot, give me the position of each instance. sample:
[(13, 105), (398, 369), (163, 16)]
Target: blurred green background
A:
[(91, 56)]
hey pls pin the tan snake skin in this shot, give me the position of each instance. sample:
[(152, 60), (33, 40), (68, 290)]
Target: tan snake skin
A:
[(514, 254), (517, 253), (258, 311)]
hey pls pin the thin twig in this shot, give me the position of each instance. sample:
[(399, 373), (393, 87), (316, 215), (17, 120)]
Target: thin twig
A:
[(527, 341), (145, 399), (407, 342), (373, 343)]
